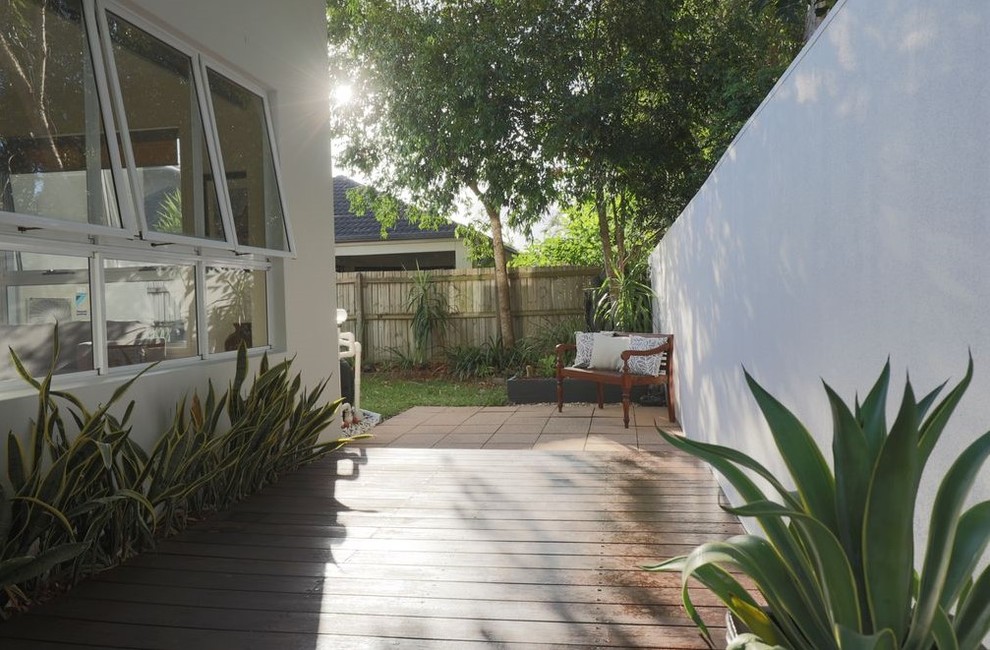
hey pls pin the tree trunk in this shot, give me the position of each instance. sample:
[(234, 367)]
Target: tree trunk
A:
[(504, 313), (604, 235)]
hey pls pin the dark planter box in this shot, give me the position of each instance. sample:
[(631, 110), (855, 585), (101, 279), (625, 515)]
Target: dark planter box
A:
[(540, 390)]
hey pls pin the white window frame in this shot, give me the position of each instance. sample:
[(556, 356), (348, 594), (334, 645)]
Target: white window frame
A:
[(128, 227), (117, 99), (133, 241), (256, 88)]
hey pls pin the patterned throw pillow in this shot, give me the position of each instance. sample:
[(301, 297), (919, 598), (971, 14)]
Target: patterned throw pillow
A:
[(605, 354), (585, 341), (645, 365)]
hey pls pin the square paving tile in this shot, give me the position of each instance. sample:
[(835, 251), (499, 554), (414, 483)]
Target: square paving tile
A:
[(560, 443), (521, 429), (476, 439), (508, 445), (522, 436), (529, 410), (574, 426), (496, 418), (431, 429), (487, 429), (574, 411)]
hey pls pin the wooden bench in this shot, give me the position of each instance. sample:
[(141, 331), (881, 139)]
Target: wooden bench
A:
[(623, 378)]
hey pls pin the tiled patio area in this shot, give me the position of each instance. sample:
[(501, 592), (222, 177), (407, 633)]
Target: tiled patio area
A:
[(580, 427)]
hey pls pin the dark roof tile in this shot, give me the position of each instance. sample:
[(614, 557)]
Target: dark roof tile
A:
[(348, 227)]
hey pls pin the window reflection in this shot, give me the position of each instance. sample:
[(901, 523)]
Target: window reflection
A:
[(54, 160), (171, 162), (151, 312), (36, 292), (236, 308), (249, 164)]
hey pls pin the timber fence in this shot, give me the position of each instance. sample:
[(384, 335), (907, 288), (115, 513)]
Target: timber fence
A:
[(377, 313)]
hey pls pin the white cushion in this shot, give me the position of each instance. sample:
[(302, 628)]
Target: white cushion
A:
[(585, 341), (605, 355), (645, 365)]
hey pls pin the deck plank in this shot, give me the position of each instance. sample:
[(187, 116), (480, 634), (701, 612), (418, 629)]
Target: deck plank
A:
[(426, 548)]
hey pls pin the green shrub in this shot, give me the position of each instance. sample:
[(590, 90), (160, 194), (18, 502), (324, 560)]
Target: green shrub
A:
[(86, 502), (493, 358)]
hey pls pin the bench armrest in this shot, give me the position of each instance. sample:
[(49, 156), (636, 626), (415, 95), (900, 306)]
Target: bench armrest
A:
[(561, 349)]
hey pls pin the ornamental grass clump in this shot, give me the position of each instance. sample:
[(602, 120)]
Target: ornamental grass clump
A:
[(835, 566)]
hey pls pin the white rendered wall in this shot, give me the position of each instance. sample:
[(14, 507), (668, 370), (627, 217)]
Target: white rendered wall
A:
[(849, 222), (282, 45)]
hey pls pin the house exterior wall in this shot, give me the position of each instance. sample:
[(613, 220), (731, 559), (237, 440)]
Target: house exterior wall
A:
[(409, 248), (847, 223), (283, 46)]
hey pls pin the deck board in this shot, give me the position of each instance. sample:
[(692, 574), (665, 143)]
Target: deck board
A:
[(425, 548)]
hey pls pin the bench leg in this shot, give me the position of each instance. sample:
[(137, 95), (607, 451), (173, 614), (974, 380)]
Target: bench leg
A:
[(601, 396), (560, 394), (670, 402), (626, 390)]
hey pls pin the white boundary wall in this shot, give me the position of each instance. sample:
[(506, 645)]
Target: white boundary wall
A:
[(849, 221)]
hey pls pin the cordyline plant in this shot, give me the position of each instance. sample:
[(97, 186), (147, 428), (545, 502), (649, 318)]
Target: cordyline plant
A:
[(85, 502), (836, 565)]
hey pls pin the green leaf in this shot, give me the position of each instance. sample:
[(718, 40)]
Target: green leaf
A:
[(750, 641), (932, 429), (853, 640), (971, 541), (715, 579), (853, 467), (972, 622), (942, 632), (50, 509), (6, 517), (835, 574), (808, 468), (775, 529), (796, 615), (888, 533), (872, 415), (22, 570), (16, 469), (946, 513)]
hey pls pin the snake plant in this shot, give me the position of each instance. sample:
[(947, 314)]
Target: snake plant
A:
[(84, 496), (835, 564)]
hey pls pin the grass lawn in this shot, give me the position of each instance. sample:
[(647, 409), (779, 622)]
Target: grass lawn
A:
[(391, 393)]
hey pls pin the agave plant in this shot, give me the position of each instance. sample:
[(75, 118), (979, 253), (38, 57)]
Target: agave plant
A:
[(836, 565)]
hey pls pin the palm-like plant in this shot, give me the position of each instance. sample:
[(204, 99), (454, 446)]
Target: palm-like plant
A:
[(836, 565), (431, 312), (626, 303)]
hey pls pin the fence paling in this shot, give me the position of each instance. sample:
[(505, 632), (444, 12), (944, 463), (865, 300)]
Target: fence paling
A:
[(376, 304)]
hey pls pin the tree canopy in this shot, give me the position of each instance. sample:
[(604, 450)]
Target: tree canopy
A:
[(618, 108)]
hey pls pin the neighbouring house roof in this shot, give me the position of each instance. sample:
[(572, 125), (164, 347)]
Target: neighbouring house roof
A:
[(349, 227)]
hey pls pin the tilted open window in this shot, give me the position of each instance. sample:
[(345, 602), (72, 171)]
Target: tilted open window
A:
[(140, 205)]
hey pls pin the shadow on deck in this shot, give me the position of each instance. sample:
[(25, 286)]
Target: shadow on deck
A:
[(416, 548)]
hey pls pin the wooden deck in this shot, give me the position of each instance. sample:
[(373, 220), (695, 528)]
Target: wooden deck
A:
[(415, 548)]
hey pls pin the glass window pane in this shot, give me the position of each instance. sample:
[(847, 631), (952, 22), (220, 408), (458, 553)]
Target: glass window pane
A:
[(151, 312), (236, 308), (171, 162), (54, 160), (37, 291), (249, 164)]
